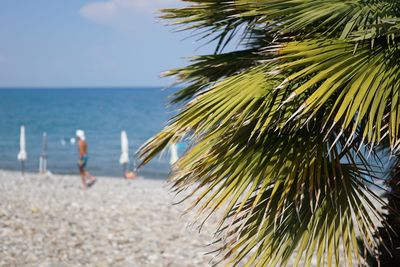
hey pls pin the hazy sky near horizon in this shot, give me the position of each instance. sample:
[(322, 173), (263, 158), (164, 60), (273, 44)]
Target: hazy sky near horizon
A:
[(88, 43)]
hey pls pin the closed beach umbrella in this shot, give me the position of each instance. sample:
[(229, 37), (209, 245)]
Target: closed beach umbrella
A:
[(124, 159), (22, 155), (174, 154), (43, 155)]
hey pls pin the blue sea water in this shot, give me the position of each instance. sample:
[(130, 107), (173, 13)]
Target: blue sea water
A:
[(101, 113)]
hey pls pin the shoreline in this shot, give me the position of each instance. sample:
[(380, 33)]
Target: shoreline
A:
[(162, 177)]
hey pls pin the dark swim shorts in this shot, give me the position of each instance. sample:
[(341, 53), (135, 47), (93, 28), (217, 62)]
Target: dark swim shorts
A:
[(83, 161)]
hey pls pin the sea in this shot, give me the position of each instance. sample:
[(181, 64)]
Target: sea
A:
[(101, 112)]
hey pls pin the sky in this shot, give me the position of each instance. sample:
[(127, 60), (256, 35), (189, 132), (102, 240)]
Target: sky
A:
[(89, 43)]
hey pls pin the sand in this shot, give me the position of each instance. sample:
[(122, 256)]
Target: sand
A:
[(50, 221)]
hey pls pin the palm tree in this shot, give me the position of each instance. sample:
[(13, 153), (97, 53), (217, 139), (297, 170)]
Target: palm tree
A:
[(282, 129)]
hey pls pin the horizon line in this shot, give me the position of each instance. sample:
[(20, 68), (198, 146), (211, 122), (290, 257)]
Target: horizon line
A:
[(87, 87)]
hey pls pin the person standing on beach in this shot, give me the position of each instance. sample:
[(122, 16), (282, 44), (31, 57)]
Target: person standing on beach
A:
[(83, 159)]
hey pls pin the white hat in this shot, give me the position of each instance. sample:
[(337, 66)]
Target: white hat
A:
[(80, 134)]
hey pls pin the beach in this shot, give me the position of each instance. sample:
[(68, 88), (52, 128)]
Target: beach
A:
[(49, 221)]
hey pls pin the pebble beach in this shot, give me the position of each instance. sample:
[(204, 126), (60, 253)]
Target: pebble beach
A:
[(49, 221)]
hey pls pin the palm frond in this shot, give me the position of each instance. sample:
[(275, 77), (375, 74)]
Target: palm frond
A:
[(358, 89), (276, 127)]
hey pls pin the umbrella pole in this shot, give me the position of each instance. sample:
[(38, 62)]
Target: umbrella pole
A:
[(43, 155), (124, 167), (22, 168), (40, 165)]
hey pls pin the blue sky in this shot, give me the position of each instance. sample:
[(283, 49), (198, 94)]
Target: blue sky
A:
[(73, 43)]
